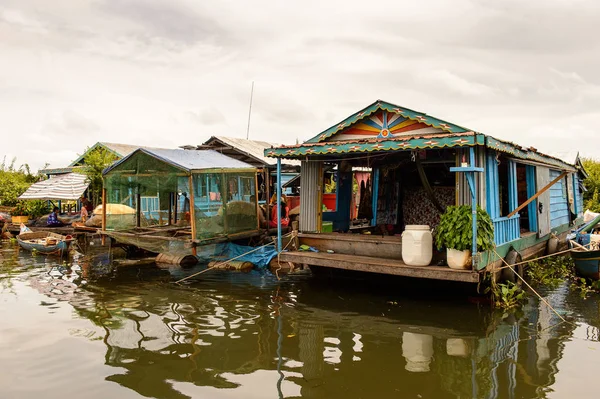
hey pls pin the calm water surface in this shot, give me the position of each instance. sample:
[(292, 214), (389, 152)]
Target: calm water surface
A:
[(65, 333)]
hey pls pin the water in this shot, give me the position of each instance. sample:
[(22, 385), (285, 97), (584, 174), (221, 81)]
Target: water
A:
[(249, 335)]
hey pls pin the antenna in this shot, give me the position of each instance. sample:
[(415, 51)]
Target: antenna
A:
[(250, 111)]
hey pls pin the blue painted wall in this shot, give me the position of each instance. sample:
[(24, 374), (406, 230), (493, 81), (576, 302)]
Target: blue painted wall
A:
[(341, 216), (559, 206), (578, 196)]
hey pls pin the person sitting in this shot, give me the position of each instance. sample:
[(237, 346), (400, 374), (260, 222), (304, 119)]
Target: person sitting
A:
[(285, 214), (84, 213), (87, 204), (53, 219)]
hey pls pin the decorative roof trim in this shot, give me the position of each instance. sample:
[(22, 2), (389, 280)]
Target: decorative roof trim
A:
[(368, 146), (389, 107)]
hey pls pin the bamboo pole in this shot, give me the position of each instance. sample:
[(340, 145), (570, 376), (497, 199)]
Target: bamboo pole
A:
[(536, 195), (192, 214)]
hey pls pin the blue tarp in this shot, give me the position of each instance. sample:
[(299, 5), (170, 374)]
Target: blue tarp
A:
[(223, 252)]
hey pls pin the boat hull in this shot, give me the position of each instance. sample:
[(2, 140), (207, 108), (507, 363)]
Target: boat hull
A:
[(587, 264), (25, 241)]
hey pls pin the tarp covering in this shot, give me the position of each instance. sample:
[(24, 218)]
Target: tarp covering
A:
[(66, 187), (188, 160)]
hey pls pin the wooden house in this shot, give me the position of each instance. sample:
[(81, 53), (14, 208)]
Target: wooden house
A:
[(418, 165)]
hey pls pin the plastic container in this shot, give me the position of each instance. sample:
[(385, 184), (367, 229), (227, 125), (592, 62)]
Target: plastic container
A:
[(327, 227), (417, 245)]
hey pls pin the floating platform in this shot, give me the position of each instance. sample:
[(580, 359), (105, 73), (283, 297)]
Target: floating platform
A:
[(378, 265)]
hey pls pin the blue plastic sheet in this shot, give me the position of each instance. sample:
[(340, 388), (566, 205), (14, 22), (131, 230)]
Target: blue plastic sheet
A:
[(225, 251)]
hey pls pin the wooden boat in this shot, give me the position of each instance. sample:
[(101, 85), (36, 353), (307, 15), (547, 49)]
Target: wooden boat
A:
[(44, 241), (587, 263)]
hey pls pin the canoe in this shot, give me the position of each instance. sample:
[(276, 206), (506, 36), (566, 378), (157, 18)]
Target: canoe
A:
[(44, 242), (587, 263)]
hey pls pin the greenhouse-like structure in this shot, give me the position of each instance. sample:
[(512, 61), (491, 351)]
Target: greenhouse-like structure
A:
[(173, 200)]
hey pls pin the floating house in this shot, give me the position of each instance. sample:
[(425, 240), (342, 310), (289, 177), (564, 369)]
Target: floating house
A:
[(412, 166), (252, 152), (173, 200)]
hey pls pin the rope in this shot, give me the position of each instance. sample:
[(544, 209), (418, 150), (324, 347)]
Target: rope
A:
[(536, 259), (228, 260), (531, 288)]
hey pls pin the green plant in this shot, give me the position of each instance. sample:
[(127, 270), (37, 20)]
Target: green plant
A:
[(585, 286), (33, 209), (455, 230), (508, 295), (551, 271)]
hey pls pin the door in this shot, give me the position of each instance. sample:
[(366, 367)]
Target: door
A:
[(542, 177)]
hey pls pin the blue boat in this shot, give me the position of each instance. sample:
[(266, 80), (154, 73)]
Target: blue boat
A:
[(44, 242), (587, 257)]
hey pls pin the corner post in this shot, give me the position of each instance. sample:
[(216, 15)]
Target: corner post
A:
[(192, 214), (103, 214), (473, 207), (278, 205)]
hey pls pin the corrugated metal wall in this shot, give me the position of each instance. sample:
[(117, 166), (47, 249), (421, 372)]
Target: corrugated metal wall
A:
[(464, 195), (559, 205), (310, 188)]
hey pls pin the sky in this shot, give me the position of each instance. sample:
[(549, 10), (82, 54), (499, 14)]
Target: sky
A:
[(169, 73)]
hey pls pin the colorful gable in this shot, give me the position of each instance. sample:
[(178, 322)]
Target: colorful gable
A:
[(383, 120)]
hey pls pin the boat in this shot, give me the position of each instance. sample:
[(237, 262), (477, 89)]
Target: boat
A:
[(586, 250), (587, 263), (44, 241)]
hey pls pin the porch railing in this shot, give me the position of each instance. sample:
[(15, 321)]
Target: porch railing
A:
[(507, 229)]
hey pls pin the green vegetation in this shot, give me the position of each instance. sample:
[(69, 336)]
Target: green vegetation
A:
[(94, 163), (585, 286), (591, 198), (551, 271), (14, 181), (508, 295), (455, 229), (34, 209)]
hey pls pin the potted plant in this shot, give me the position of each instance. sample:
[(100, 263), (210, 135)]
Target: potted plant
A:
[(455, 233), (24, 210), (20, 214)]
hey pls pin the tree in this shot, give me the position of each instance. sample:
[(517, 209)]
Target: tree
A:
[(591, 198), (15, 181), (94, 163)]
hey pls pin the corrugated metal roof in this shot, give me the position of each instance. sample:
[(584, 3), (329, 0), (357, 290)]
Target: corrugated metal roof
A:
[(66, 187), (251, 148), (120, 150), (188, 160)]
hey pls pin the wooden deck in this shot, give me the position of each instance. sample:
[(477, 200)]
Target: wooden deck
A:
[(378, 265)]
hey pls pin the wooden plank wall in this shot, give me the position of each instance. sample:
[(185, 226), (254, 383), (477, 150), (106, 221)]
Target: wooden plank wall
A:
[(559, 205)]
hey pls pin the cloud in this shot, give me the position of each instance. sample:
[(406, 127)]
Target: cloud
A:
[(169, 73)]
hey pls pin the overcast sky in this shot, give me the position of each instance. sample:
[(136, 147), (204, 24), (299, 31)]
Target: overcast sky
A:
[(168, 73)]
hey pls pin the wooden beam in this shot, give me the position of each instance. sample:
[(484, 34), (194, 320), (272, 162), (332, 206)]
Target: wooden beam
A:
[(536, 195)]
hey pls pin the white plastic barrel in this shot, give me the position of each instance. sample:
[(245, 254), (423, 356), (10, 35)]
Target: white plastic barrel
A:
[(417, 245)]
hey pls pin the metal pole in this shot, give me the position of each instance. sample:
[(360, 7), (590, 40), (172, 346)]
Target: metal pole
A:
[(250, 111), (473, 207), (278, 204)]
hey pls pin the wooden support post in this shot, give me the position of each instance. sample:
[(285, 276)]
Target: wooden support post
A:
[(542, 191), (267, 176), (171, 195), (103, 214), (192, 213), (138, 209), (256, 199), (278, 205)]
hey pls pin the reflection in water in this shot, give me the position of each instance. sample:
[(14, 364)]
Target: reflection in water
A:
[(249, 335)]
